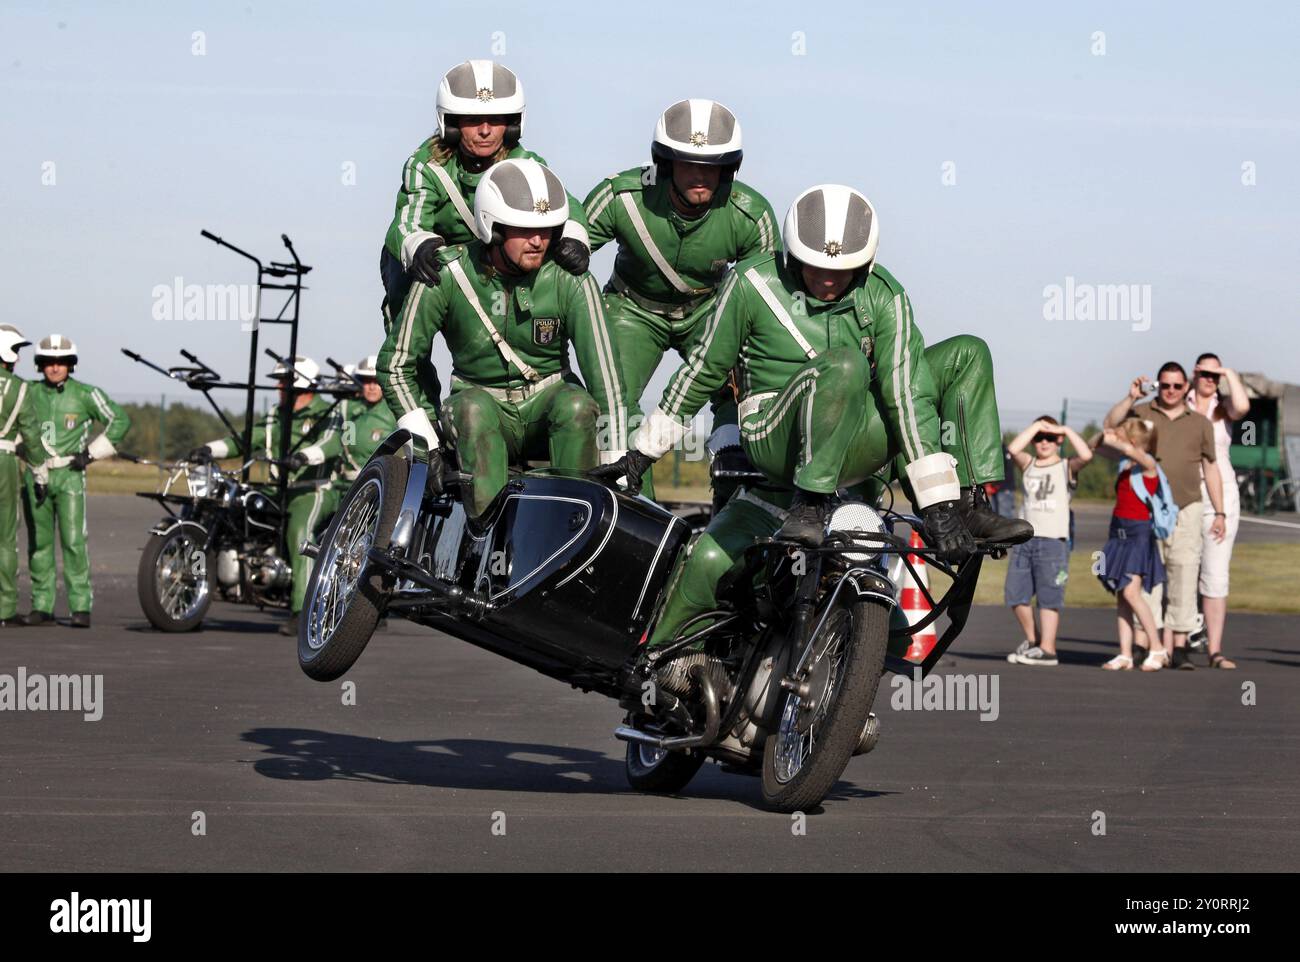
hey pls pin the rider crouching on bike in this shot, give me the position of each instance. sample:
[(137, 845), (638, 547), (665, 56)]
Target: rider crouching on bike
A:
[(835, 382), (508, 314), (311, 466)]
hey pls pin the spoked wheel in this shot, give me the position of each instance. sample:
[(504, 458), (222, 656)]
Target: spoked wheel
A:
[(174, 580), (657, 771), (820, 725), (344, 597)]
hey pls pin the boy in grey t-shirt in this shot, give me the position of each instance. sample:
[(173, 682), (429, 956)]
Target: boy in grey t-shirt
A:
[(1041, 566)]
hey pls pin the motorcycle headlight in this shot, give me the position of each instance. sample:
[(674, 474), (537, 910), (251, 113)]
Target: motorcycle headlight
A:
[(855, 518), (200, 480)]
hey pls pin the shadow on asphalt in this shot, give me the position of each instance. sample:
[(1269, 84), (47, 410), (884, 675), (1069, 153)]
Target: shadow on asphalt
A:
[(298, 754), (213, 624)]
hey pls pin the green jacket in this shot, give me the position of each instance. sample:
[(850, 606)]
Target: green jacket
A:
[(17, 417), (425, 210), (634, 209), (62, 418), (311, 431), (363, 427), (536, 317), (767, 327)]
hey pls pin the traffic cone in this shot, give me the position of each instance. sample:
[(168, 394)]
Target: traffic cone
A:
[(916, 606)]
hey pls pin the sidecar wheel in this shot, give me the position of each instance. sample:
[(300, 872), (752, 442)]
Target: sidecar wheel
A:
[(345, 596), (813, 741), (659, 772)]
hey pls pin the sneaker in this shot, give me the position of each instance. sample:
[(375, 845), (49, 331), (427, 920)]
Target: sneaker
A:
[(1024, 647), (1034, 656), (1183, 659)]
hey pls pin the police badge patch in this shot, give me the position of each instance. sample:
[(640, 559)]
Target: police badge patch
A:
[(545, 329), (377, 434), (69, 422)]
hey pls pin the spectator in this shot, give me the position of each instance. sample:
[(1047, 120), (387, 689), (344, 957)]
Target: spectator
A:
[(1183, 445), (1041, 566), (1130, 563), (1222, 408)]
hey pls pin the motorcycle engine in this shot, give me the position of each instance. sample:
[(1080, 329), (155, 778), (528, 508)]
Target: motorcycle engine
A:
[(228, 568), (269, 572)]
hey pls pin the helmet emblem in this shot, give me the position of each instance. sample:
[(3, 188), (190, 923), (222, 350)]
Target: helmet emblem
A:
[(485, 94), (542, 206), (699, 139), (832, 248)]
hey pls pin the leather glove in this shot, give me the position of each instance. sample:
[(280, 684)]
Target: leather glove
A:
[(41, 492), (424, 265), (571, 254), (633, 465), (200, 454), (433, 483), (944, 529), (79, 461), (297, 460)]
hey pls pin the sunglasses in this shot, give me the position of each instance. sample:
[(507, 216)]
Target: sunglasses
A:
[(1169, 386), (1040, 438), (1208, 375)]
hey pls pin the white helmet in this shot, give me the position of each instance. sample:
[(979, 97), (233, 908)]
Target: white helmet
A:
[(56, 347), (305, 372), (11, 339), (832, 227), (478, 88), (700, 131), (518, 193), (366, 367)]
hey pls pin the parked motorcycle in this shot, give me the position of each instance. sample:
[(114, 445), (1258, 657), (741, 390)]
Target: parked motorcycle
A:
[(568, 576)]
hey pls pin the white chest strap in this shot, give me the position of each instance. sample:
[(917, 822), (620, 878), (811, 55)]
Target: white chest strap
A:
[(661, 262), (779, 310), (453, 195), (18, 406), (507, 353)]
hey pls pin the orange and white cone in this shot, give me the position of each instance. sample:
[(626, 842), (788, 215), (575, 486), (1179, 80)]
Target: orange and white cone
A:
[(916, 607)]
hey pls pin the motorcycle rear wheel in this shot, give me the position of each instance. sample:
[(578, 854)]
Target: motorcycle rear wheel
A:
[(809, 750), (345, 595), (175, 581)]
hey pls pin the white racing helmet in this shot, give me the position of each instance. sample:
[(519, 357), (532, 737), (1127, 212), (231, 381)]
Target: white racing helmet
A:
[(11, 339), (833, 227), (305, 372), (478, 88), (699, 131), (56, 347), (518, 193), (366, 367)]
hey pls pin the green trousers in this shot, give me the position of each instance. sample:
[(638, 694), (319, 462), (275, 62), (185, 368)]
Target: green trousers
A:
[(828, 438), (9, 506), (558, 424), (643, 338), (64, 509), (309, 512)]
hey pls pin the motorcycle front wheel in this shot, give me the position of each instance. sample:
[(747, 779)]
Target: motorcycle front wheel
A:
[(819, 728), (345, 595), (174, 581)]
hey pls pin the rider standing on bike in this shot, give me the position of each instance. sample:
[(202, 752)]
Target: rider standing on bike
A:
[(680, 222), (312, 429), (15, 422), (63, 413), (481, 111), (508, 314), (835, 381)]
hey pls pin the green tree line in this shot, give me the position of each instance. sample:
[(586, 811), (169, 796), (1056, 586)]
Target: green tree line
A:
[(173, 431)]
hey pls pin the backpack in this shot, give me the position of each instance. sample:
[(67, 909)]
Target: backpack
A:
[(1164, 512)]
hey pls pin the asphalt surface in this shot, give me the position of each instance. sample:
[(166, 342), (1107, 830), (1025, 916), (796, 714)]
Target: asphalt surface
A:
[(446, 741)]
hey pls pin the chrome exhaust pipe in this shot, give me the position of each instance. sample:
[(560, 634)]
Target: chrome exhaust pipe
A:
[(870, 736), (712, 722)]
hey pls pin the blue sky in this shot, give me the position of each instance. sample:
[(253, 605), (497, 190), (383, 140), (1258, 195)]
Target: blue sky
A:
[(1124, 168)]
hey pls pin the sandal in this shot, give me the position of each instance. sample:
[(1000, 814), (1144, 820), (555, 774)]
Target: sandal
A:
[(1156, 660), (1119, 663), (1217, 660)]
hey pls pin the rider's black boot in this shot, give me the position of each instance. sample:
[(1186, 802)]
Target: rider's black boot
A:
[(985, 524), (806, 522)]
